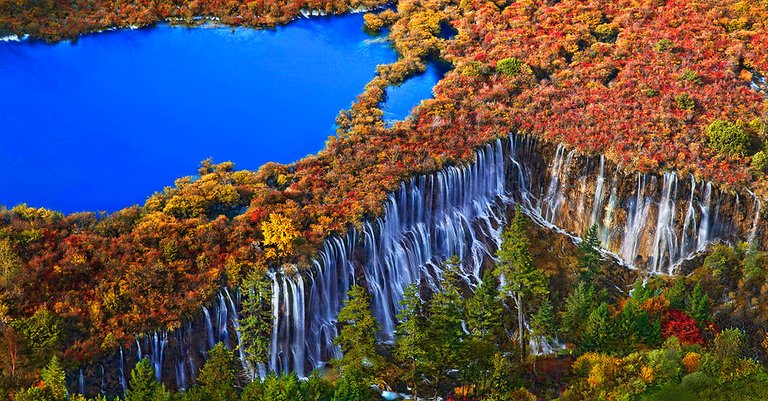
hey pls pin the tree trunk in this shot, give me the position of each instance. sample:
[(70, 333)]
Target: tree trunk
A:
[(520, 328), (415, 383)]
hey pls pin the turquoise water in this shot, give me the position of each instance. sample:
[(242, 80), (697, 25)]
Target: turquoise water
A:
[(102, 123)]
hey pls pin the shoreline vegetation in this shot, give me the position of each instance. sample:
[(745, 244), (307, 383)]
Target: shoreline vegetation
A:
[(194, 22), (653, 86), (60, 21)]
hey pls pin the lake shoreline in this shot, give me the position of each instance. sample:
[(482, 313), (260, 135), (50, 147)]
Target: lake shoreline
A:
[(196, 21)]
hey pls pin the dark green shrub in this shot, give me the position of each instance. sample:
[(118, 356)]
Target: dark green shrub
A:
[(690, 76), (685, 102), (728, 137), (759, 162), (510, 66)]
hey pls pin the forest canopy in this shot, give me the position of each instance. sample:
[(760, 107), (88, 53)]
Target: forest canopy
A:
[(652, 85)]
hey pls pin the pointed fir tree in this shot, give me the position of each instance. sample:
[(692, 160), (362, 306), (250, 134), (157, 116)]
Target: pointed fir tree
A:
[(502, 380), (627, 328), (317, 388), (31, 394), (597, 331), (219, 376), (256, 319), (484, 314), (352, 387), (143, 385), (543, 323), (643, 290), (578, 305), (357, 338), (698, 305), (446, 314), (411, 339), (675, 294), (54, 380), (485, 310), (590, 258), (522, 280), (291, 388)]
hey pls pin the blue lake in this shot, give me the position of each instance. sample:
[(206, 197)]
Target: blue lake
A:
[(102, 123)]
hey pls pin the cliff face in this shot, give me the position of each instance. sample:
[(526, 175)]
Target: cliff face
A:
[(649, 222)]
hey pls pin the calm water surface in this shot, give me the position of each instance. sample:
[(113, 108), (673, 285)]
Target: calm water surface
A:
[(103, 123)]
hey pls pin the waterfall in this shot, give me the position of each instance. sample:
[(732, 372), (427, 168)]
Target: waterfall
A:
[(455, 211), (158, 342), (222, 320), (704, 226), (755, 219), (597, 203), (554, 197), (236, 324), (461, 210), (665, 239), (121, 372), (689, 225), (607, 221), (304, 317), (81, 382), (180, 372), (209, 327), (638, 217)]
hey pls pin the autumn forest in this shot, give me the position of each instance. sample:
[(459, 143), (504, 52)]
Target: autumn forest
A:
[(530, 312)]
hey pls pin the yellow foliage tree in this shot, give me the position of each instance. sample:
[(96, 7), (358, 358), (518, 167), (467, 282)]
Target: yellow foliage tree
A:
[(279, 233)]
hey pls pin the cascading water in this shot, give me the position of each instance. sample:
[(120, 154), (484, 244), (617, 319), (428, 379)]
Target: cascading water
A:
[(121, 373), (81, 382), (704, 227), (158, 344), (597, 202), (756, 218), (209, 327), (461, 210), (665, 239)]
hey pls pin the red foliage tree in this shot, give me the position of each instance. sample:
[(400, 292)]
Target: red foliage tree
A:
[(679, 324)]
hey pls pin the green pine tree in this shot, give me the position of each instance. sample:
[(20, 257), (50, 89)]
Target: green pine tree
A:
[(502, 380), (597, 331), (219, 376), (485, 310), (627, 330), (578, 305), (543, 323), (522, 280), (698, 305), (253, 391), (54, 380), (590, 258), (32, 394), (357, 338), (675, 294), (143, 386), (256, 318), (271, 389), (644, 290), (352, 387), (317, 388), (411, 339), (446, 314), (291, 388)]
